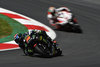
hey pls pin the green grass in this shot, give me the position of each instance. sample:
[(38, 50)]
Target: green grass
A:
[(9, 27), (5, 28)]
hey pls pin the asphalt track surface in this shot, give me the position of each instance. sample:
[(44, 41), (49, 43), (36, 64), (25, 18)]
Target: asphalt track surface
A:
[(79, 50)]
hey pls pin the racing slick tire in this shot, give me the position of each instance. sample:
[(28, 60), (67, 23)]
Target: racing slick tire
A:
[(59, 52)]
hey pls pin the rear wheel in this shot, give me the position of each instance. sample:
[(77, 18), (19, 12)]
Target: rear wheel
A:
[(56, 50)]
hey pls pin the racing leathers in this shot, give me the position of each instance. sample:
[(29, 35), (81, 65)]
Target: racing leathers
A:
[(29, 39)]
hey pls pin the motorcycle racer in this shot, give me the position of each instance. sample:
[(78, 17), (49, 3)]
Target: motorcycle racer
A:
[(60, 16), (22, 38), (33, 37)]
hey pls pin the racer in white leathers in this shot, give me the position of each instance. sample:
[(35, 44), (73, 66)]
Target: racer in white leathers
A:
[(60, 16)]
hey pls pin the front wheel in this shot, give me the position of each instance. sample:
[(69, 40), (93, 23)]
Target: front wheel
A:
[(59, 52), (56, 51)]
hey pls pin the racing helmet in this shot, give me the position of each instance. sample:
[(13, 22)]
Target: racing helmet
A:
[(33, 31), (51, 9), (42, 32)]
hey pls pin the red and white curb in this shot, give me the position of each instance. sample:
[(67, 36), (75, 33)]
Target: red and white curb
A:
[(26, 21)]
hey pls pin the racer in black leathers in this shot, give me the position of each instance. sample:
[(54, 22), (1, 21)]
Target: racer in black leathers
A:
[(25, 40)]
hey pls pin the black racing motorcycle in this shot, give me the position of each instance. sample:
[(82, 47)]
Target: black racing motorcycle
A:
[(44, 47)]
